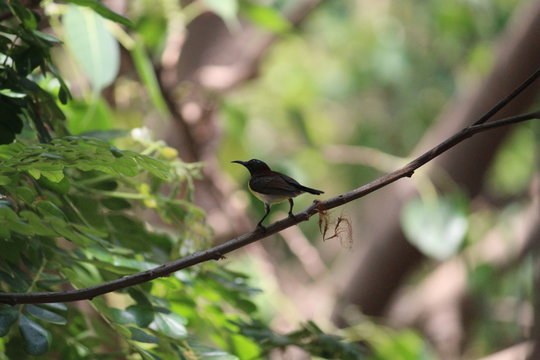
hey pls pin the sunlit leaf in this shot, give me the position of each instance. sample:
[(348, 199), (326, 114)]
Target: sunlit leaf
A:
[(12, 94), (95, 49), (170, 324), (266, 17), (436, 227), (54, 176)]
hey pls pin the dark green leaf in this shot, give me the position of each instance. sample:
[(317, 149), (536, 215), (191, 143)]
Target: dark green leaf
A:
[(39, 225), (140, 297), (56, 306), (47, 37), (10, 121), (102, 10), (116, 204), (116, 152), (121, 317), (25, 193), (142, 336), (45, 315), (47, 208), (8, 315), (108, 185), (143, 315), (60, 187), (36, 338), (25, 16), (63, 95)]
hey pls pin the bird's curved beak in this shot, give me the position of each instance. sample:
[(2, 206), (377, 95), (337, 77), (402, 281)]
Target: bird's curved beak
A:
[(239, 162)]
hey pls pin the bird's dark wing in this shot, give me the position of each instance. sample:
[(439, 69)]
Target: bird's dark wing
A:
[(275, 184), (299, 186)]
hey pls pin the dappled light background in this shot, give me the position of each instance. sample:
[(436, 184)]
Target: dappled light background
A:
[(334, 94)]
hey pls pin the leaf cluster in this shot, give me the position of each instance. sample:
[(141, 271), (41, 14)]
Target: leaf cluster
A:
[(25, 57)]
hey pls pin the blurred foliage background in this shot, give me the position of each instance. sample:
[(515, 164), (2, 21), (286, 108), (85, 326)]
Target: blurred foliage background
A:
[(122, 118)]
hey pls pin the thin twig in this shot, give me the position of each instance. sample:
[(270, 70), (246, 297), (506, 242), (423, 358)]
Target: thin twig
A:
[(219, 251)]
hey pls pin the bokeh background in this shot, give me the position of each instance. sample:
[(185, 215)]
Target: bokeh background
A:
[(334, 94)]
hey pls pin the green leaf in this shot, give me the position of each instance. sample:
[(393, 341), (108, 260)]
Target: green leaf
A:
[(94, 47), (45, 315), (60, 187), (116, 152), (104, 11), (4, 180), (39, 226), (143, 315), (7, 214), (135, 314), (116, 204), (205, 352), (8, 316), (25, 193), (25, 16), (10, 121), (63, 95), (170, 324), (54, 176), (47, 37), (36, 338), (145, 70), (121, 317), (126, 166), (436, 227), (266, 17), (142, 336), (48, 208), (156, 167), (56, 306), (36, 174), (139, 297), (12, 94)]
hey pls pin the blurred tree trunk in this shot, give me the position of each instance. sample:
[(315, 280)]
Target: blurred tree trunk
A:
[(388, 258)]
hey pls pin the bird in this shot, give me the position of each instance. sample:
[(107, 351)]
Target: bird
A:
[(272, 187)]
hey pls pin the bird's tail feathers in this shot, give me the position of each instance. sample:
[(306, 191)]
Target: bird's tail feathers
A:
[(311, 191)]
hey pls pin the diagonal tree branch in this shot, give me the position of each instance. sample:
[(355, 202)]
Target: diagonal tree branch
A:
[(219, 251)]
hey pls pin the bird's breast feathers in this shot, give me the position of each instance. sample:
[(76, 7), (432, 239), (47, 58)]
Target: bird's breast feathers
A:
[(269, 198)]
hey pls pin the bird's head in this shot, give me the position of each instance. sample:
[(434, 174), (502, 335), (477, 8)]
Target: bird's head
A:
[(254, 166)]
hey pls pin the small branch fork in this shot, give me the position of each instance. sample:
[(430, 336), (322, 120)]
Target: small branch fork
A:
[(219, 251)]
